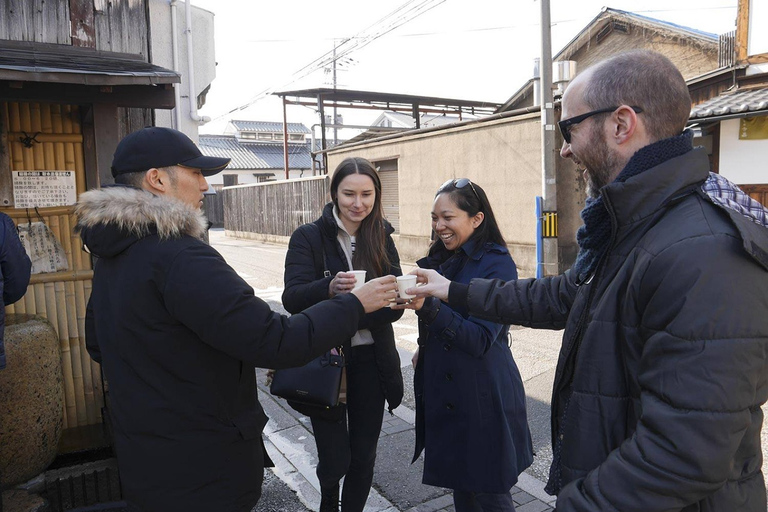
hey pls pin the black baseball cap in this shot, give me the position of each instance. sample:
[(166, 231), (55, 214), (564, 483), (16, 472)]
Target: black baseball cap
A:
[(155, 146)]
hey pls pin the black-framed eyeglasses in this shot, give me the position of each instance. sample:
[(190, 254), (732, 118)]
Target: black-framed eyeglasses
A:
[(566, 124), (460, 183)]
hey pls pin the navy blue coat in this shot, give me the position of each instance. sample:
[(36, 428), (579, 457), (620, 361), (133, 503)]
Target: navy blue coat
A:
[(14, 272), (470, 401)]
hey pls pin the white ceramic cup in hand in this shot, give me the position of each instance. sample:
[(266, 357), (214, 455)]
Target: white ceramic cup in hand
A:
[(403, 283), (359, 278)]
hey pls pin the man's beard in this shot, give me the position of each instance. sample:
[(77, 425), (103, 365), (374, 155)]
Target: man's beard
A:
[(600, 163)]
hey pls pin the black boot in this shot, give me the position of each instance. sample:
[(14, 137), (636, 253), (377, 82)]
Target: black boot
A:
[(329, 500)]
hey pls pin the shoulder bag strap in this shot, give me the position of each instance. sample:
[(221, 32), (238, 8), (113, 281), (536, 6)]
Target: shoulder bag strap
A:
[(320, 267)]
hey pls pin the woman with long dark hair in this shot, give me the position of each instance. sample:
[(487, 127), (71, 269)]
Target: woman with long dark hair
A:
[(351, 234), (470, 403)]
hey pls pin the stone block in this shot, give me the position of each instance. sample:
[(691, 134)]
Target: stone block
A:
[(31, 398)]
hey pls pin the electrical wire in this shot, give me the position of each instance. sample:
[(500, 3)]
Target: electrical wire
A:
[(400, 16)]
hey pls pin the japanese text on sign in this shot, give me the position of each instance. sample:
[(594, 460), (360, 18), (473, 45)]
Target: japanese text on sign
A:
[(44, 189)]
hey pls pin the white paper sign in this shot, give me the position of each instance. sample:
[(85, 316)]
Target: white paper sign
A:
[(44, 189)]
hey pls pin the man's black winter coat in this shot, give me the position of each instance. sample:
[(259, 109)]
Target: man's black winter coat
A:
[(178, 334)]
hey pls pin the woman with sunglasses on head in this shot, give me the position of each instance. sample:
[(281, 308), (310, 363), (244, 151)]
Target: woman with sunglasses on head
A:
[(351, 234), (470, 403)]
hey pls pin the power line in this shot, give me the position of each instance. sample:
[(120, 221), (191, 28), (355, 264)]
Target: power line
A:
[(403, 14)]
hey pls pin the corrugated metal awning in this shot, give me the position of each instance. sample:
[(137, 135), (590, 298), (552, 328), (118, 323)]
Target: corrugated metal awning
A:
[(738, 103), (40, 62)]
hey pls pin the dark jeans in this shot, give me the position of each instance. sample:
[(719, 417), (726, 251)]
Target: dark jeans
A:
[(348, 447), (465, 501)]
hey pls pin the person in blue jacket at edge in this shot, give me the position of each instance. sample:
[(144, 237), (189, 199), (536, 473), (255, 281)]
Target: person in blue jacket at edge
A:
[(15, 268)]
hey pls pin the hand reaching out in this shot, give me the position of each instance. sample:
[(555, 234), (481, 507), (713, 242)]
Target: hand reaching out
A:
[(377, 293), (431, 283)]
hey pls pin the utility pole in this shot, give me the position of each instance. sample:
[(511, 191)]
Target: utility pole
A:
[(335, 130), (548, 178)]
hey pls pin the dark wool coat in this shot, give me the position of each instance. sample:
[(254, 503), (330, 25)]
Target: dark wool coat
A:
[(470, 401), (14, 272), (305, 285), (664, 362), (178, 334)]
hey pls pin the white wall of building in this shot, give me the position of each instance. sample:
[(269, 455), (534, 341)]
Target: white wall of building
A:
[(203, 56), (742, 161), (758, 36)]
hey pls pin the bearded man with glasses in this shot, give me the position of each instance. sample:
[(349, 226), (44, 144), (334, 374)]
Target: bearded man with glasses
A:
[(663, 370)]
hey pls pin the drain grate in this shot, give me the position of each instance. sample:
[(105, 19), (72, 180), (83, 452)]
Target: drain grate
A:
[(84, 490)]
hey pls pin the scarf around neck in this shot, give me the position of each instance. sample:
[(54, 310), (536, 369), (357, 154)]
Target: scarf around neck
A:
[(594, 236)]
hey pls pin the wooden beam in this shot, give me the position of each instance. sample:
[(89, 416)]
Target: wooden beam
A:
[(140, 96), (742, 31), (761, 58), (6, 182), (82, 21), (106, 126), (89, 147)]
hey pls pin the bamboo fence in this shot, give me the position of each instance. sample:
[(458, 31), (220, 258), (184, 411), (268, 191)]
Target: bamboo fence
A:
[(61, 297)]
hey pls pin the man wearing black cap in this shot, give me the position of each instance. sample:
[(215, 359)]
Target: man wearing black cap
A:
[(178, 332)]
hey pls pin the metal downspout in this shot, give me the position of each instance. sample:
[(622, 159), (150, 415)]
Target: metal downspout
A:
[(191, 71), (175, 46)]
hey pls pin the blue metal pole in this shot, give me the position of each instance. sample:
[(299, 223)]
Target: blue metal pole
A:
[(539, 239)]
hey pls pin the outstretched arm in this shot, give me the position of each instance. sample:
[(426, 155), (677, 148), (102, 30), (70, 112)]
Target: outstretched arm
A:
[(541, 303), (222, 310)]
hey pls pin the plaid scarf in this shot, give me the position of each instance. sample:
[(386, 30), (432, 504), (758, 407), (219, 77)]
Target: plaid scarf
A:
[(727, 195), (594, 236)]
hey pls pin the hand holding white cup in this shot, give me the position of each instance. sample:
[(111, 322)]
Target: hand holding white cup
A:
[(404, 283), (376, 293), (359, 278)]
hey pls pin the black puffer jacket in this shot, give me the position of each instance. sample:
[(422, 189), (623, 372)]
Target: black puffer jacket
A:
[(178, 334), (664, 362), (305, 285)]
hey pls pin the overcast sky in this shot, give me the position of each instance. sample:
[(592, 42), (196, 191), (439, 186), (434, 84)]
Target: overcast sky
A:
[(459, 49)]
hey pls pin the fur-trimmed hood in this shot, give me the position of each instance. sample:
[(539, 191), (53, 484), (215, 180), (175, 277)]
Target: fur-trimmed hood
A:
[(111, 218)]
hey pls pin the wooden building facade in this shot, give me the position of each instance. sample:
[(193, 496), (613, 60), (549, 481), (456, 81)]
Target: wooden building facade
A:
[(75, 77)]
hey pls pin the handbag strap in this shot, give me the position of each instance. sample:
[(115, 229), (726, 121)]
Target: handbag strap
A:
[(319, 243), (326, 273)]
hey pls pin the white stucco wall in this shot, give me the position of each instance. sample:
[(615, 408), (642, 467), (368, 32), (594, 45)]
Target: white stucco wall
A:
[(742, 161), (503, 156), (162, 55), (758, 36)]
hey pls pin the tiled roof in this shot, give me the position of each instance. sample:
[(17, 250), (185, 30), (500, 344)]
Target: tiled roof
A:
[(736, 102), (247, 156), (268, 126), (668, 24), (43, 62)]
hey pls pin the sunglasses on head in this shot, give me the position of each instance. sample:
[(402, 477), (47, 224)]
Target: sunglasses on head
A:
[(460, 183), (566, 124)]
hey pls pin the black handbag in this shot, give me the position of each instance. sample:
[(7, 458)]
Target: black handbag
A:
[(318, 382)]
